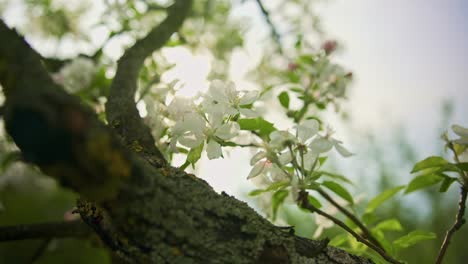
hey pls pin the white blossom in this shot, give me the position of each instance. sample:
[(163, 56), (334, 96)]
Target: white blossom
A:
[(76, 75), (222, 97), (462, 132)]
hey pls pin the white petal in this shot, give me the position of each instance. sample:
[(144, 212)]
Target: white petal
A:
[(217, 91), (249, 98), (343, 151), (256, 170), (191, 140), (285, 158), (248, 112), (461, 141), (277, 174), (459, 130), (257, 157), (231, 91), (213, 150), (228, 130), (309, 160), (320, 145)]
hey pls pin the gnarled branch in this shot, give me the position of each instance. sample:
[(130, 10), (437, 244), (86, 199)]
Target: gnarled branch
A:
[(121, 109), (137, 210)]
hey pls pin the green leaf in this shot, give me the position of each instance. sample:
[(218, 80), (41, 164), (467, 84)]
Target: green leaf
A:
[(336, 177), (462, 166), (339, 190), (313, 201), (413, 238), (277, 199), (284, 99), (423, 181), (446, 183), (381, 198), (272, 187), (430, 162), (376, 258), (338, 240), (322, 160), (256, 124), (389, 225), (195, 154)]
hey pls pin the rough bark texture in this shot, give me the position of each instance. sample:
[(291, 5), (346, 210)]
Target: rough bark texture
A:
[(143, 209)]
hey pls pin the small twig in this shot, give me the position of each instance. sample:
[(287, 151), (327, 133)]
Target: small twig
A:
[(40, 250), (459, 221), (274, 32), (304, 203), (367, 233), (44, 230)]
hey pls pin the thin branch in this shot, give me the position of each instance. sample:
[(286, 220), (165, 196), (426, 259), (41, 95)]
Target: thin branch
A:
[(40, 250), (459, 221), (367, 233), (121, 109), (304, 203), (274, 32), (44, 230)]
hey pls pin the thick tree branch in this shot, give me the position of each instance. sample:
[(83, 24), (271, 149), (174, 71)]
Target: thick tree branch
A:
[(121, 109), (137, 210), (45, 230)]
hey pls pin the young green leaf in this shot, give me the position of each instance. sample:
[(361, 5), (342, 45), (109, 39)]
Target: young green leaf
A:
[(428, 163), (389, 225), (277, 199), (313, 201), (284, 99), (195, 154), (446, 183), (339, 190), (423, 181), (256, 124), (381, 198), (413, 238)]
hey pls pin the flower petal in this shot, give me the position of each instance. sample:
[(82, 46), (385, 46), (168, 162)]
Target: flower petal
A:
[(256, 170), (320, 145), (343, 151), (228, 130), (213, 150), (248, 112), (249, 98), (257, 157), (459, 130), (285, 157)]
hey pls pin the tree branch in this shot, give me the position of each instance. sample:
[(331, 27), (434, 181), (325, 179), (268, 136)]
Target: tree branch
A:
[(304, 203), (367, 233), (121, 109), (459, 221), (45, 230), (144, 213), (274, 32)]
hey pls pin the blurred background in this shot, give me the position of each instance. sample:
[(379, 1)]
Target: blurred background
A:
[(408, 60)]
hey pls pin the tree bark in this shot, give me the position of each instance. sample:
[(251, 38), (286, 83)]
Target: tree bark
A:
[(143, 209)]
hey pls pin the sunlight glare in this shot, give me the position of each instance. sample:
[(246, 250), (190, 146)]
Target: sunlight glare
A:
[(191, 70)]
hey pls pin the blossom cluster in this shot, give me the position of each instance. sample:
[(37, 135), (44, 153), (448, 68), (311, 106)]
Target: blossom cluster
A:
[(299, 151), (212, 120)]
